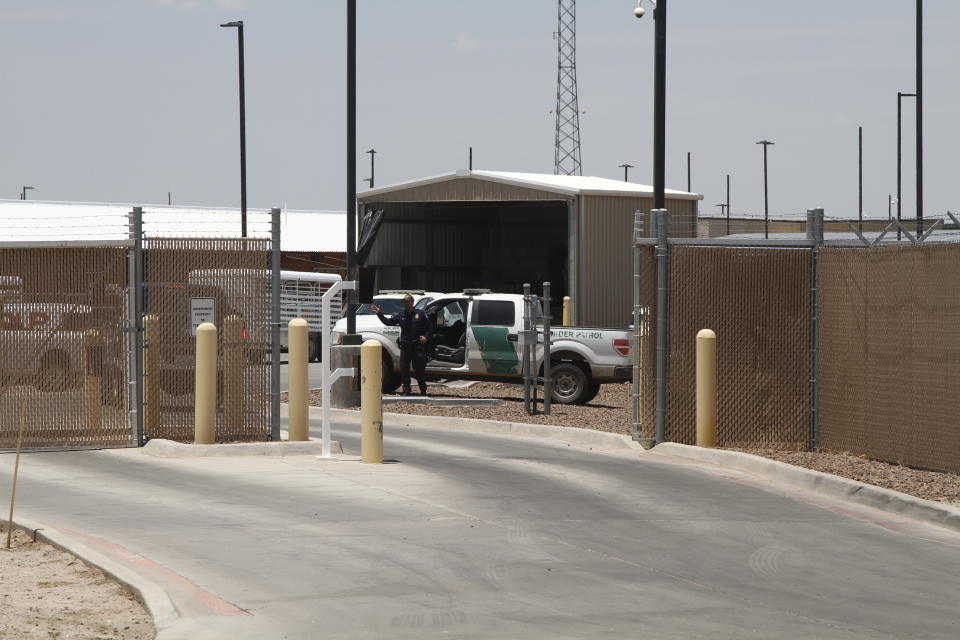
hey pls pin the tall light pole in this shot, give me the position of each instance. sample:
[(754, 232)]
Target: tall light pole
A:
[(688, 173), (626, 169), (766, 201), (659, 96), (919, 96), (238, 24), (351, 168), (900, 97), (23, 192), (373, 153)]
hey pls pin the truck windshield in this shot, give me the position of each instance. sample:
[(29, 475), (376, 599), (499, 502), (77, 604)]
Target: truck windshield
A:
[(388, 306)]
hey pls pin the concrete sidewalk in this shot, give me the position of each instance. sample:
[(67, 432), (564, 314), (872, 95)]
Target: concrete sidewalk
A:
[(486, 535)]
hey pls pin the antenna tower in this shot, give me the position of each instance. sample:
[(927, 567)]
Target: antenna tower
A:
[(567, 145)]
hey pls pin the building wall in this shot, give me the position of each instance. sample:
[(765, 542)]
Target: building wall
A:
[(606, 254)]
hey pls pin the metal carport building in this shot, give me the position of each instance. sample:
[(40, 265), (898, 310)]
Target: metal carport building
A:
[(497, 230)]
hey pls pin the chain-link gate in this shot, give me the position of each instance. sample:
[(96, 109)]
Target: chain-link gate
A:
[(64, 372)]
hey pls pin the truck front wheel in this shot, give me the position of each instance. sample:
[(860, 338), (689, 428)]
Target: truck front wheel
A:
[(571, 385)]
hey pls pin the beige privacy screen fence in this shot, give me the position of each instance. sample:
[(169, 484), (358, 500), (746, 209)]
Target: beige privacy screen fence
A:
[(63, 370), (758, 303), (890, 354), (848, 345)]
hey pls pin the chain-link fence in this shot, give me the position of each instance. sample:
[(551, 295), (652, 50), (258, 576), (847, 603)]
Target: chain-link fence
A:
[(841, 340)]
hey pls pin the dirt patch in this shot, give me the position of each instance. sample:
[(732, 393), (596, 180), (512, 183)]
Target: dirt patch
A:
[(47, 593), (609, 411), (930, 485)]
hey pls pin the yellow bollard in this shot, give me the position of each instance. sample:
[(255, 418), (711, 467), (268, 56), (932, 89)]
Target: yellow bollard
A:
[(233, 396), (566, 311), (371, 402), (151, 374), (205, 391), (706, 388), (298, 349), (92, 372)]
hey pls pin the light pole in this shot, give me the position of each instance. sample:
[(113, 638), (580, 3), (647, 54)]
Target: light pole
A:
[(373, 153), (919, 97), (626, 168), (688, 173), (351, 156), (238, 24), (659, 95), (766, 201), (23, 192), (900, 97)]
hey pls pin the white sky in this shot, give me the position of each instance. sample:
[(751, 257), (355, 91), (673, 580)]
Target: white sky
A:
[(123, 100)]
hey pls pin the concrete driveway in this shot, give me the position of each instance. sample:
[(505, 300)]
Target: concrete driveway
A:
[(474, 535)]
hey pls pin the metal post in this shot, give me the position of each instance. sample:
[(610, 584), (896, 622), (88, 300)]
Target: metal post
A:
[(766, 200), (626, 166), (815, 234), (351, 157), (275, 324), (525, 350), (661, 219), (900, 97), (660, 103), (547, 373), (728, 204), (688, 173), (373, 154), (151, 370), (243, 128), (138, 311), (860, 176), (919, 141), (637, 331), (470, 160)]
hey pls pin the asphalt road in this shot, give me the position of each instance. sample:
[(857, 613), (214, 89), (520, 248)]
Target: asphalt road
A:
[(469, 535)]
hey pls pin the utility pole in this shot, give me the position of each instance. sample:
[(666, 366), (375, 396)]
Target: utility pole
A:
[(626, 168), (351, 157), (688, 173), (238, 24), (919, 140), (860, 177)]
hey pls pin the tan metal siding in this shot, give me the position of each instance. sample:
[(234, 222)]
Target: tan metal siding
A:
[(463, 189), (606, 270)]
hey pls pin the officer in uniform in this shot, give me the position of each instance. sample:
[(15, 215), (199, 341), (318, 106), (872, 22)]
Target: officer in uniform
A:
[(415, 332)]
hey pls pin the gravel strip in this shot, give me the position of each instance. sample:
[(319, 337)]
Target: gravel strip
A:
[(609, 411), (48, 593), (929, 485)]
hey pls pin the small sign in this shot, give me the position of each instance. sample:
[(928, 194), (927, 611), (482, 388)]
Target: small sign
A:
[(202, 310)]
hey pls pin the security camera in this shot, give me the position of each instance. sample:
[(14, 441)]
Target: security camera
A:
[(639, 12)]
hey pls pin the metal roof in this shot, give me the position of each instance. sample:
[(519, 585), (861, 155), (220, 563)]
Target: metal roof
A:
[(45, 221), (565, 185)]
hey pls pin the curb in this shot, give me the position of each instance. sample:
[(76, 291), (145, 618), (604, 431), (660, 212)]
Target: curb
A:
[(571, 435), (161, 448), (787, 474), (150, 594)]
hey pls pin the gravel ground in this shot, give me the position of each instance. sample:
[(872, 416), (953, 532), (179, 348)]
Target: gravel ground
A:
[(610, 411), (48, 593), (930, 485)]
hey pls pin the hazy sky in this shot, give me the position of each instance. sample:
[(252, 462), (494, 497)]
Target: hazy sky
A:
[(123, 100)]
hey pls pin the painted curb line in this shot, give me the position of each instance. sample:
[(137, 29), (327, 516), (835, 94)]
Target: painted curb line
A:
[(161, 448), (150, 594), (869, 495)]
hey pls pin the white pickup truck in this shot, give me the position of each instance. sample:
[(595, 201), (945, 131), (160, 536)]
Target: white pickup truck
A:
[(476, 337)]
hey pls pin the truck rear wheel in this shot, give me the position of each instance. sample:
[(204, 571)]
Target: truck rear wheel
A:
[(391, 379), (571, 385)]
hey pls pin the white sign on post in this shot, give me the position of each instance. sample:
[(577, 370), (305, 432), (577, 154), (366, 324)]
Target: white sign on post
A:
[(202, 310)]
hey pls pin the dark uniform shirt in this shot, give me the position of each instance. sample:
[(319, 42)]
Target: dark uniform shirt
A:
[(413, 324)]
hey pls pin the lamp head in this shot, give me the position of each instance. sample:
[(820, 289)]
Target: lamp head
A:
[(235, 23)]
